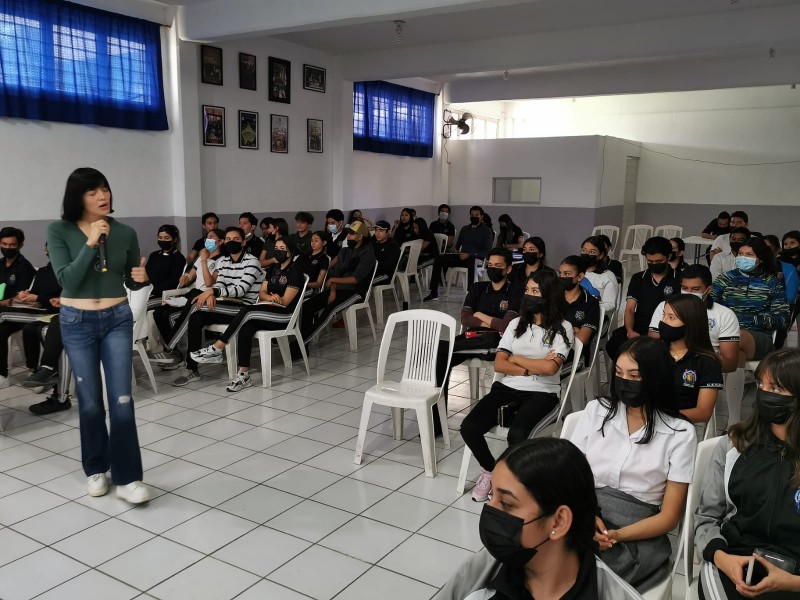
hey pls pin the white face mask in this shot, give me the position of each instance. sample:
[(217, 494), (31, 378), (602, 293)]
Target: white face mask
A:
[(443, 216), (700, 295)]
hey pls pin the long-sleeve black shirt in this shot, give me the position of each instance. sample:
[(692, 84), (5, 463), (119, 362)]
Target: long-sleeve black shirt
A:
[(476, 241), (164, 270), (17, 277), (46, 287)]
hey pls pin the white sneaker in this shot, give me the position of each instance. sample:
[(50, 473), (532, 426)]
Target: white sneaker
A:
[(208, 355), (241, 381), (135, 492), (97, 485), (4, 382)]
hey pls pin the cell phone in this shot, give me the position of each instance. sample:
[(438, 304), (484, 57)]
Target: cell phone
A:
[(756, 571)]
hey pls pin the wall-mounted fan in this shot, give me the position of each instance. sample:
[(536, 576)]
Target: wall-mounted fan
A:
[(461, 123)]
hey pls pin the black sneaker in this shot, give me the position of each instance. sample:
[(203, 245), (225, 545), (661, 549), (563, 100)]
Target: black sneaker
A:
[(51, 405), (43, 377), (431, 297)]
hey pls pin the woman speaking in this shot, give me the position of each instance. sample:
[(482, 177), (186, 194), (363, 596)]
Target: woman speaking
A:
[(93, 255)]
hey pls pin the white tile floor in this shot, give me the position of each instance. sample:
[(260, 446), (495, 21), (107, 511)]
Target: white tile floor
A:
[(255, 494)]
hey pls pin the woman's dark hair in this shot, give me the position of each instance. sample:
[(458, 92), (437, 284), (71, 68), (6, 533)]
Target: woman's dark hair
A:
[(554, 309), (266, 221), (679, 242), (304, 217), (289, 247), (323, 235), (692, 311), (599, 242), (767, 263), (422, 225), (512, 231), (655, 370), (540, 246), (573, 260), (783, 368), (487, 220), (556, 473), (773, 242), (606, 241), (79, 182), (220, 233), (790, 235), (349, 218), (281, 225), (251, 218), (172, 232)]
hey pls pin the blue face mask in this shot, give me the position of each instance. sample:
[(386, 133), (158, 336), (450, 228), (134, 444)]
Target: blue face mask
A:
[(210, 245), (745, 263), (332, 228)]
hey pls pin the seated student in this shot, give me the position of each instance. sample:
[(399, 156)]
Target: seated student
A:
[(719, 226), (347, 283), (755, 293), (16, 272), (47, 375), (726, 260), (474, 241), (645, 291), (443, 225), (171, 318), (166, 265), (487, 311), (534, 255), (300, 241), (537, 532), (279, 230), (790, 257), (510, 235), (583, 309), (315, 264), (530, 355), (749, 494), (334, 222), (698, 372), (209, 221), (595, 256), (773, 242), (403, 229), (487, 220), (791, 249), (676, 258), (721, 243), (277, 299), (611, 264), (387, 252), (430, 249), (264, 225), (239, 278), (28, 305), (641, 450), (252, 243), (356, 214)]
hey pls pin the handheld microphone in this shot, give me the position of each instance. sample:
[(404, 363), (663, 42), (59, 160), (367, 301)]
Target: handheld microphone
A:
[(101, 249)]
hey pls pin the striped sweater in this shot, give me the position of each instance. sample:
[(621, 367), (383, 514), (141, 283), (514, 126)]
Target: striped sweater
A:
[(239, 279), (759, 301)]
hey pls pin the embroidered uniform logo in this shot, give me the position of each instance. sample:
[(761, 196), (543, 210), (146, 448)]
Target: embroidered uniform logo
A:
[(711, 324), (282, 280), (547, 340), (689, 378), (797, 500), (503, 306), (668, 291), (579, 315)]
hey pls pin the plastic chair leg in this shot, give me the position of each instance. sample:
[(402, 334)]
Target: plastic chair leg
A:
[(147, 367), (378, 297), (425, 423), (302, 345), (443, 420), (371, 323), (264, 349), (462, 474), (398, 414), (404, 287), (734, 392), (286, 354), (350, 324), (396, 300), (474, 374), (366, 409), (232, 357)]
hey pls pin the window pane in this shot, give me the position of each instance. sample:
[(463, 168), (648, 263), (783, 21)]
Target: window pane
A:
[(20, 51), (75, 52)]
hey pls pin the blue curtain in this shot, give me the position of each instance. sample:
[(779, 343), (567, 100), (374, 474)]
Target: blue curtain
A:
[(60, 61), (392, 119)]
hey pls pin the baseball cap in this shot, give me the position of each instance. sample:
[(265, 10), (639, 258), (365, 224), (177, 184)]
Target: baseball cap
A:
[(358, 227), (382, 225)]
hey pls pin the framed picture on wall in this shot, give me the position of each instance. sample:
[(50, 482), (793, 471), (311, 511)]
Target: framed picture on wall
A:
[(313, 78), (213, 125), (279, 134), (248, 130), (279, 79), (314, 135), (247, 71), (211, 65)]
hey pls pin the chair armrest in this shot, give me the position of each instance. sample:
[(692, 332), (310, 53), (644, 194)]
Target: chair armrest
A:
[(167, 294)]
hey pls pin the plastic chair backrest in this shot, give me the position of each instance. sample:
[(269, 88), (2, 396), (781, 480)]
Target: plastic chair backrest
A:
[(414, 249), (422, 344), (526, 234), (597, 337), (570, 423), (298, 306), (577, 349), (612, 231), (705, 450), (138, 302), (669, 231), (441, 239), (636, 236), (371, 281)]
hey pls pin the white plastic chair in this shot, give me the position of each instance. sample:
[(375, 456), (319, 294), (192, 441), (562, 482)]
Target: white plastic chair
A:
[(587, 381), (570, 423), (416, 389), (138, 302), (402, 276), (635, 237), (350, 316), (526, 234), (552, 419), (282, 337), (669, 231), (612, 231)]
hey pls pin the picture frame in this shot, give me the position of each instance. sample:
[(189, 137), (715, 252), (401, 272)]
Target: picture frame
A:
[(247, 71), (314, 136), (248, 130), (211, 64), (314, 78), (279, 134), (279, 80), (213, 125)]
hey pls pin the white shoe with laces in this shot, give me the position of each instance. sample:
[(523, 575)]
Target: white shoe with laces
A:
[(241, 382), (97, 485), (135, 492), (483, 487), (208, 355)]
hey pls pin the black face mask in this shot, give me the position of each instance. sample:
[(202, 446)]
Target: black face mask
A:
[(590, 260), (568, 284), (669, 333), (658, 268), (474, 220), (502, 225), (165, 245), (530, 258), (233, 247), (531, 305), (352, 243), (495, 274), (9, 253), (281, 256), (774, 408), (501, 535), (628, 392), (735, 247), (789, 252)]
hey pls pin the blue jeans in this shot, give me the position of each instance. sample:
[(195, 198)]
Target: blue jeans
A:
[(92, 337)]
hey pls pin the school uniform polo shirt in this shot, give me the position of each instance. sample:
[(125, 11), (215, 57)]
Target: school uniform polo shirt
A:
[(723, 326), (278, 280), (584, 312), (313, 264), (648, 294), (254, 246), (482, 297), (692, 373), (446, 228)]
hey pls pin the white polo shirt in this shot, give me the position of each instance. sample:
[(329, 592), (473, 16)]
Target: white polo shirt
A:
[(606, 284), (722, 242), (722, 263), (641, 470), (723, 326), (199, 282), (535, 343)]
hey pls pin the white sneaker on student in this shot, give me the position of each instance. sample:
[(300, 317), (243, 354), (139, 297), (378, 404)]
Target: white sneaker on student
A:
[(208, 355), (135, 492), (241, 381), (97, 485)]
